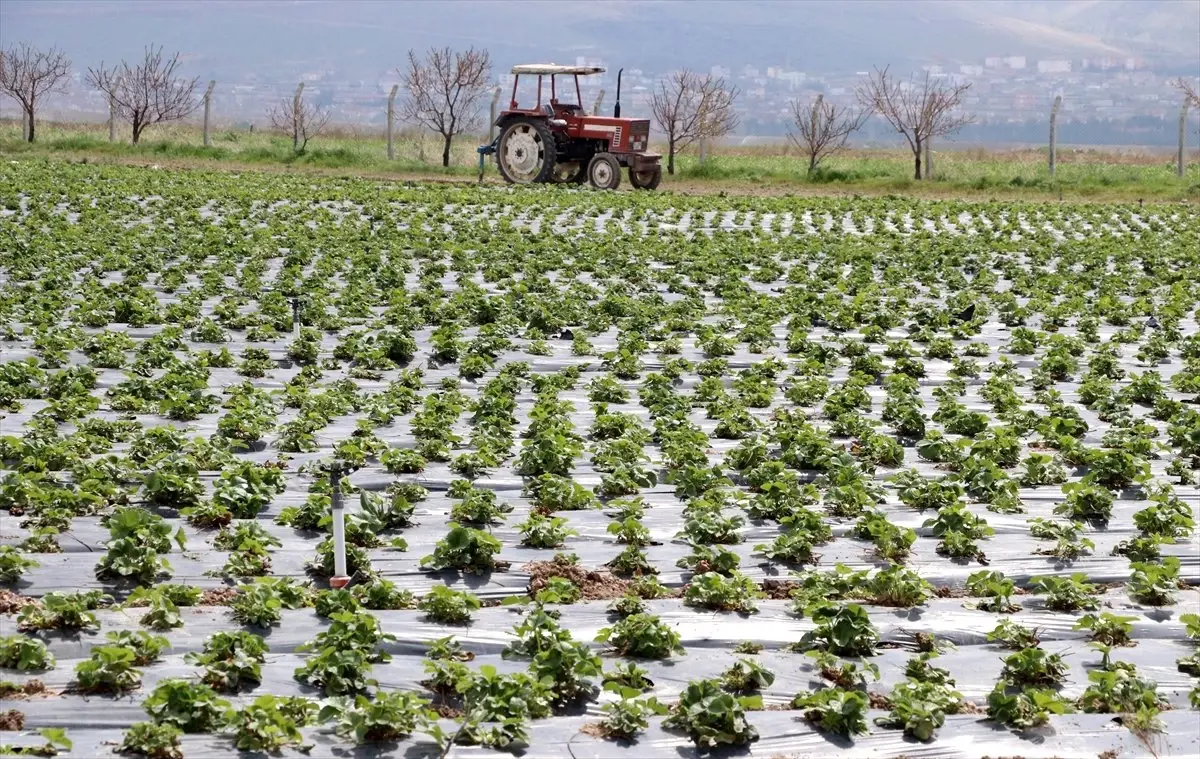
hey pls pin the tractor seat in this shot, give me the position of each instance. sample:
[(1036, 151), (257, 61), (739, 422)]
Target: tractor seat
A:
[(568, 107)]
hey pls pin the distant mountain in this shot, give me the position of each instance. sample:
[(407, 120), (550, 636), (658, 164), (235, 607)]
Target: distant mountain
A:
[(362, 39)]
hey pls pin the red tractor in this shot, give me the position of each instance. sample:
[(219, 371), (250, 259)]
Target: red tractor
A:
[(559, 142)]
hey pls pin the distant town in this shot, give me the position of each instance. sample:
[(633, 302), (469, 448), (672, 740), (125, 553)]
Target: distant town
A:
[(1105, 101)]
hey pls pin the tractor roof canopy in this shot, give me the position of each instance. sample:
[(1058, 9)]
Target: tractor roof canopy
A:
[(552, 69)]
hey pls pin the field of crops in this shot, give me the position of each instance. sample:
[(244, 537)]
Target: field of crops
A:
[(629, 475)]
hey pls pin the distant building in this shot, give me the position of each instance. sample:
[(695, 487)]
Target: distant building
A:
[(1054, 67), (1016, 62), (971, 70)]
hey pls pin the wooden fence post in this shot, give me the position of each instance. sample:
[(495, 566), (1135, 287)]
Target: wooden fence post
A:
[(297, 116), (1181, 158), (599, 102), (112, 119), (208, 112), (929, 157), (391, 117), (1054, 133), (492, 115)]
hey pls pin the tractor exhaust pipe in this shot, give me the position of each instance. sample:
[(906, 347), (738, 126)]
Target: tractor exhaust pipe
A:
[(617, 105)]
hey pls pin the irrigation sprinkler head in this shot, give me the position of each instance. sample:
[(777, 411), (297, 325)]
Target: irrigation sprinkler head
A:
[(337, 470), (295, 316)]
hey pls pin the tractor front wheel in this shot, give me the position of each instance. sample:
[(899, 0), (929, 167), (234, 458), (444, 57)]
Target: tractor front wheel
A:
[(647, 179), (526, 152), (604, 172)]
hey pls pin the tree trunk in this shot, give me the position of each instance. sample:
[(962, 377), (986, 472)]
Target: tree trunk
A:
[(671, 157), (137, 131), (446, 150), (917, 162), (31, 127), (812, 163)]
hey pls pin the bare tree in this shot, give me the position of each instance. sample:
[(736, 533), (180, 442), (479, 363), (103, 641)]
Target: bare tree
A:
[(443, 92), (28, 74), (690, 107), (1188, 88), (147, 93), (919, 109), (822, 129), (302, 118)]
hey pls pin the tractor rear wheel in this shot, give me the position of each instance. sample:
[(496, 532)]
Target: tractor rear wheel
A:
[(647, 179), (526, 152), (570, 172), (604, 172)]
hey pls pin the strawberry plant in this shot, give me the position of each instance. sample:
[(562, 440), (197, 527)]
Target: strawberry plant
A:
[(835, 711), (23, 653), (994, 589), (13, 565), (544, 532), (109, 669), (56, 742), (842, 630), (842, 673), (627, 675), (388, 717), (711, 590), (151, 740), (1120, 691), (1066, 593), (270, 723), (63, 611), (1155, 584), (1009, 634), (231, 660), (746, 676), (146, 647), (191, 707), (1024, 709), (448, 607), (465, 549), (1033, 667), (260, 603), (711, 717), (626, 718), (642, 635), (1107, 628)]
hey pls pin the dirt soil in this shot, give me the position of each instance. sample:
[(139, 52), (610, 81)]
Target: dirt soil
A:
[(218, 597), (12, 720), (11, 603), (595, 586)]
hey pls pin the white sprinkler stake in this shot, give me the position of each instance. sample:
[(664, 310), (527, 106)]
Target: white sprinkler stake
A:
[(339, 579)]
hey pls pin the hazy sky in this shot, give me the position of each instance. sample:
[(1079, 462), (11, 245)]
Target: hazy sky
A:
[(220, 37)]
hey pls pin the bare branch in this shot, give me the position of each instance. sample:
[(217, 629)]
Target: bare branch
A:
[(28, 74), (299, 117), (443, 92), (822, 128), (1189, 90), (689, 107), (148, 93), (919, 109)]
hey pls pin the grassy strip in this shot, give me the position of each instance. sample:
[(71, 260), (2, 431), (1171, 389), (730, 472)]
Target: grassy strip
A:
[(1086, 175)]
